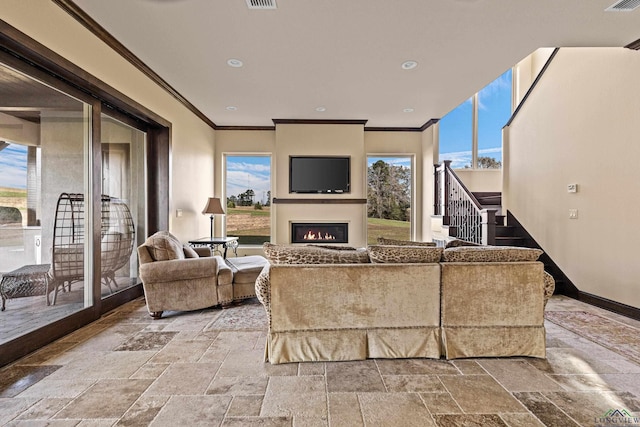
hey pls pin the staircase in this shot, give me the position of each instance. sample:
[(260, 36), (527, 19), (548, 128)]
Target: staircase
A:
[(478, 217), (509, 232), (505, 235)]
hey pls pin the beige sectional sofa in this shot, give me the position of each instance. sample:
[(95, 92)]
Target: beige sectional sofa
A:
[(402, 302)]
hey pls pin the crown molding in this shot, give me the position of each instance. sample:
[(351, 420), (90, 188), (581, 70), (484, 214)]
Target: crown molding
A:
[(318, 122), (271, 128), (634, 45), (89, 23)]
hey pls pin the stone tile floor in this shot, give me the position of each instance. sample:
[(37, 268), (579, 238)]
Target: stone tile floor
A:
[(129, 370)]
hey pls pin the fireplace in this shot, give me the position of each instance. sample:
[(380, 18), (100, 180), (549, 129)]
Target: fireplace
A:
[(319, 232)]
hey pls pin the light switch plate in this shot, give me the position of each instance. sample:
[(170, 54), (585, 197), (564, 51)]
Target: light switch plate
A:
[(573, 213), (572, 188)]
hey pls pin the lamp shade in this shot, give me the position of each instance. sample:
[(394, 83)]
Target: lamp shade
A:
[(213, 206)]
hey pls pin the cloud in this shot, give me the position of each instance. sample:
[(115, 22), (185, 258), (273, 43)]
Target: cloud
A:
[(496, 87), (398, 161), (248, 167), (461, 159), (240, 181), (13, 167)]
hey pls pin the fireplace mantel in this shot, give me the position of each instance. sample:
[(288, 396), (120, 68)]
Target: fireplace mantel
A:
[(319, 201)]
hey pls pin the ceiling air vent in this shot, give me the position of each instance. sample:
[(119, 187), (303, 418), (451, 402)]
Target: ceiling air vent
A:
[(263, 4), (623, 6)]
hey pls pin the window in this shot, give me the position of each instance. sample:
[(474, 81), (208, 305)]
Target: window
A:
[(494, 110), (248, 192), (388, 198), (456, 136), (471, 134)]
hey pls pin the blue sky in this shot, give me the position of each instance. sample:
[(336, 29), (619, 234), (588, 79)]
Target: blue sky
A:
[(400, 161), (13, 166), (494, 110), (244, 172)]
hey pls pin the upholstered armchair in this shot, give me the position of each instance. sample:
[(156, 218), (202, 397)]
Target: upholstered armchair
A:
[(180, 278)]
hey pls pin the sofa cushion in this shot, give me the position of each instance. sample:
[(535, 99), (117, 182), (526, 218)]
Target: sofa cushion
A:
[(396, 242), (336, 247), (404, 254), (189, 252), (163, 246), (490, 254), (282, 254), (455, 243), (246, 268)]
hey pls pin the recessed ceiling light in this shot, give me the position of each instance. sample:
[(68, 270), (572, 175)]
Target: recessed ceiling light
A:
[(235, 63), (409, 65), (408, 110), (321, 109), (231, 108)]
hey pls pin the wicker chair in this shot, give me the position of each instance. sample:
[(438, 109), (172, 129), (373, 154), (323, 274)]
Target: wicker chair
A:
[(117, 234)]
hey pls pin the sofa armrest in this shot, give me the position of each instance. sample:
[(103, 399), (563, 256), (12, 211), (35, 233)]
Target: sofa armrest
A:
[(224, 272), (549, 287), (179, 269)]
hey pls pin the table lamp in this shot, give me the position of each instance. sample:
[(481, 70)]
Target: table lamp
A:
[(213, 207)]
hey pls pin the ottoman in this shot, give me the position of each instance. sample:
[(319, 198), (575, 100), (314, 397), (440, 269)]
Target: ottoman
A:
[(245, 272)]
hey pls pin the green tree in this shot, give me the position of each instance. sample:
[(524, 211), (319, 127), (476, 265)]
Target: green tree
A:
[(489, 163), (388, 191), (246, 198)]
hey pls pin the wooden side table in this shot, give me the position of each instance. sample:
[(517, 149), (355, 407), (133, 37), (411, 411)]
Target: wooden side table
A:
[(216, 242)]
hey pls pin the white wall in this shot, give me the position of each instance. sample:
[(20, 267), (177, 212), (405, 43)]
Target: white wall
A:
[(527, 70), (318, 140), (581, 125), (331, 139), (481, 180), (192, 141)]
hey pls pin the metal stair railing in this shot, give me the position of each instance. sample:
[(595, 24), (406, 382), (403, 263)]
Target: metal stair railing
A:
[(460, 211)]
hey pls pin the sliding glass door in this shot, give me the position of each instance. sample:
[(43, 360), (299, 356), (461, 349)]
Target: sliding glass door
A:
[(44, 180)]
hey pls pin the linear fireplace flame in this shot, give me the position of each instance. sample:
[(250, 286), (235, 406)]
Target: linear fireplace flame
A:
[(319, 232), (318, 236)]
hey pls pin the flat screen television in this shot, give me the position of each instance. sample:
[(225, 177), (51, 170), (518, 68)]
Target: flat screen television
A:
[(316, 174)]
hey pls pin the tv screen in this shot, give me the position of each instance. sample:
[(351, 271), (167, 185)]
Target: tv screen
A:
[(319, 174)]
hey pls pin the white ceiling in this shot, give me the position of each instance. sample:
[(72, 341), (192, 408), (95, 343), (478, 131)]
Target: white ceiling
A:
[(346, 55)]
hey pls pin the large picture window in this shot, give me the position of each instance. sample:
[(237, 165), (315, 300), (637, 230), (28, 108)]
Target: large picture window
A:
[(248, 193), (471, 134)]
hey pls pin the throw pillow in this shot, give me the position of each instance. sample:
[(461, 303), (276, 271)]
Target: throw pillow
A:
[(404, 254), (490, 254), (163, 246), (282, 254), (396, 242), (189, 252)]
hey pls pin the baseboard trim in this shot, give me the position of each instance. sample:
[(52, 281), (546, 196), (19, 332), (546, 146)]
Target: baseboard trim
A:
[(607, 304)]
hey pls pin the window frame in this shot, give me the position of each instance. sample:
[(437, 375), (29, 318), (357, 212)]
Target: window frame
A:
[(225, 156), (413, 190), (475, 122)]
